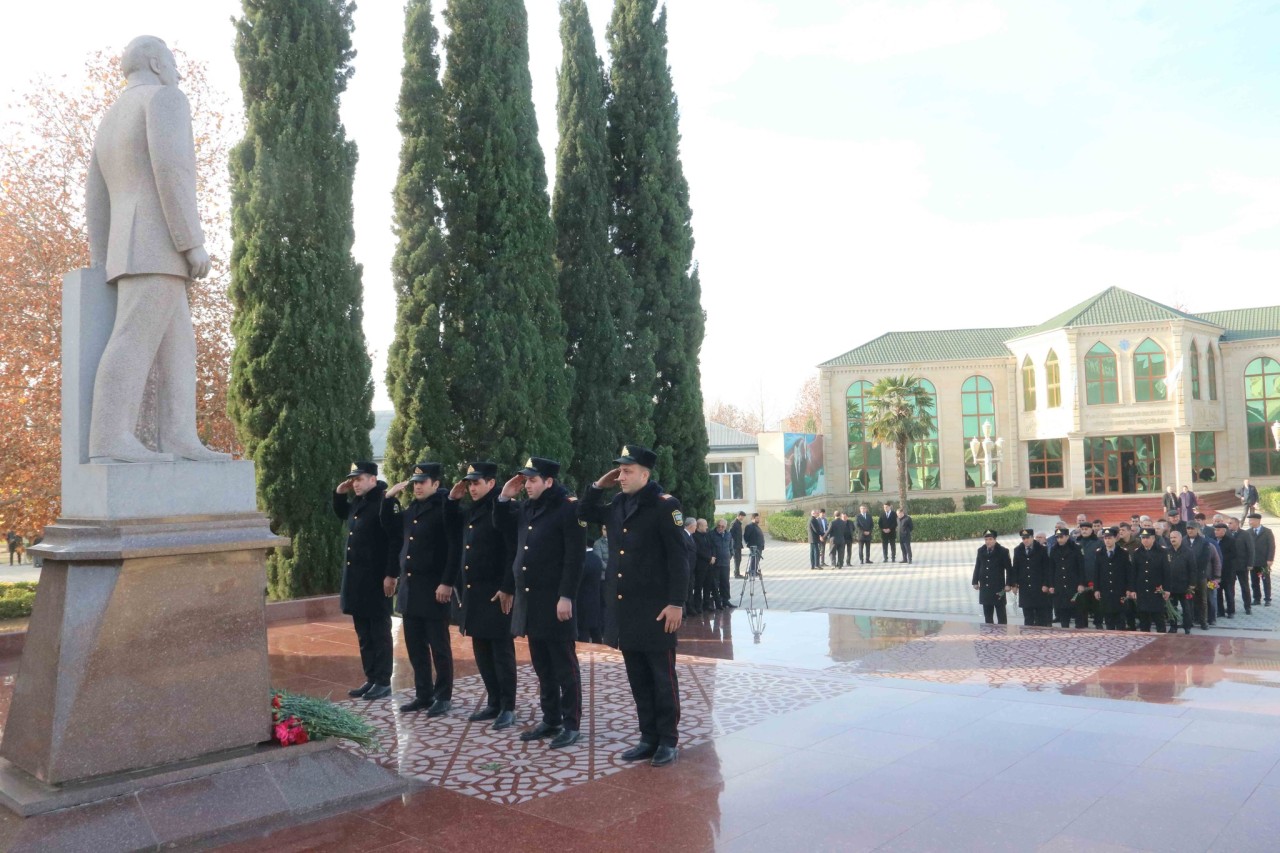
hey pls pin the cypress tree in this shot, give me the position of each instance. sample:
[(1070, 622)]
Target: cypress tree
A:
[(300, 392), (653, 234), (502, 335), (414, 377), (594, 287)]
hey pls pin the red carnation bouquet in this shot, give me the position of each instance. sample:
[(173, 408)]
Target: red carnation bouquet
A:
[(297, 719)]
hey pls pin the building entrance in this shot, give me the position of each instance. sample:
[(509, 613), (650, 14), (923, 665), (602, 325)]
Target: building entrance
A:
[(1122, 465)]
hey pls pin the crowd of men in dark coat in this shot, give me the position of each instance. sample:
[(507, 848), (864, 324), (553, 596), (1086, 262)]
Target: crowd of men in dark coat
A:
[(1131, 576), (499, 568)]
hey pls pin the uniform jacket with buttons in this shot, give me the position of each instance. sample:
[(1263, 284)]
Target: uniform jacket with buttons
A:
[(991, 572), (484, 558), (1148, 579), (1068, 573), (550, 547), (1112, 579), (648, 570), (1031, 572), (425, 558), (370, 553)]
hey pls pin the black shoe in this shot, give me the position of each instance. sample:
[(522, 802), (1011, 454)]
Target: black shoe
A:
[(1204, 626), (489, 713), (439, 708), (505, 720), (639, 752), (568, 737), (1266, 603), (1248, 611), (737, 576), (1257, 601), (361, 690), (663, 756), (415, 705), (378, 691), (1231, 616), (540, 731), (729, 605)]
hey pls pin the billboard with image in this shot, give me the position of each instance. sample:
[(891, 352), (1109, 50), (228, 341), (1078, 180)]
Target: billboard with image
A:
[(805, 474)]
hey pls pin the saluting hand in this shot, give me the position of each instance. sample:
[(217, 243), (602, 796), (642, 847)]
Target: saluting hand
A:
[(459, 489), (504, 601), (673, 616), (396, 489), (608, 481), (512, 487), (344, 487)]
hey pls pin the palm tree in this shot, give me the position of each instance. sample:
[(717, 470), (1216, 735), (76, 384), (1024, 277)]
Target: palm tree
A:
[(898, 414)]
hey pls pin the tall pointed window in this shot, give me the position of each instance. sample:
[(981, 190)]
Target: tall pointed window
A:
[(923, 456), (977, 406), (1149, 371), (864, 457), (1262, 408), (1212, 364), (1195, 371), (1052, 380), (1100, 382), (1028, 385)]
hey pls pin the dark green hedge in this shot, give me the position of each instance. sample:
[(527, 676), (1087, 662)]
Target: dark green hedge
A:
[(931, 506), (1009, 519), (1269, 500), (17, 599)]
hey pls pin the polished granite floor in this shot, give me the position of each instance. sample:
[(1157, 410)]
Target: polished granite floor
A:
[(811, 731)]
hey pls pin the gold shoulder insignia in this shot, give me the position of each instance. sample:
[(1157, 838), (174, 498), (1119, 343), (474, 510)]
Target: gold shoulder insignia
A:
[(677, 517), (572, 498), (582, 523), (667, 497)]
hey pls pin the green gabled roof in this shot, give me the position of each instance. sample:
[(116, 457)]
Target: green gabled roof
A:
[(1112, 307), (945, 345), (1244, 323)]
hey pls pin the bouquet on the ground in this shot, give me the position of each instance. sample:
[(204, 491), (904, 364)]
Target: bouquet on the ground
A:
[(298, 719)]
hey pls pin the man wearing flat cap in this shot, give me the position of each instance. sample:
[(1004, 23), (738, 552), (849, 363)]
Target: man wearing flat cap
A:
[(1264, 555), (1031, 577), (484, 558), (369, 576), (991, 578), (645, 589), (541, 585), (426, 584)]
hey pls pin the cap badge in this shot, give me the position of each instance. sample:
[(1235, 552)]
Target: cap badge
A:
[(354, 467)]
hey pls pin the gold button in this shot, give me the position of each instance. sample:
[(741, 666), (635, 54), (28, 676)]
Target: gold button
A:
[(620, 553), (348, 562), (619, 574), (410, 538), (355, 516), (619, 598), (526, 589), (408, 574), (526, 547), (624, 530), (469, 526), (468, 547), (468, 586), (523, 569), (408, 556), (530, 526)]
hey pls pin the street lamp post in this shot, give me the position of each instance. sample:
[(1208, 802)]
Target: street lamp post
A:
[(988, 452)]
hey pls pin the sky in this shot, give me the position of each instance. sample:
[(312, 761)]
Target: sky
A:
[(857, 168)]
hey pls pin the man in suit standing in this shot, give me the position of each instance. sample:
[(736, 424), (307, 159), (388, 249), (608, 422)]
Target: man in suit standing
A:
[(140, 209), (888, 524), (1242, 548), (864, 525), (427, 571), (906, 526), (369, 577), (838, 535), (991, 577), (541, 585), (1248, 495), (735, 533), (644, 592), (817, 536), (1264, 554), (483, 562), (752, 535)]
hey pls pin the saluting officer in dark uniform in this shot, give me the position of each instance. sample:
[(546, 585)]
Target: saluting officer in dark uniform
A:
[(991, 577), (1147, 586), (551, 546), (1032, 576), (485, 558), (1112, 586), (369, 576), (646, 583), (426, 584)]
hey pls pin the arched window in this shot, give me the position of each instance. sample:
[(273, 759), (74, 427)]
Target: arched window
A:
[(922, 456), (864, 457), (1195, 371), (1149, 372), (1213, 374), (977, 406), (1028, 385), (1052, 380), (1100, 383), (1262, 408)]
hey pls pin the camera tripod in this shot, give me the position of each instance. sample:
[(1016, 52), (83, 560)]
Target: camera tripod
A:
[(749, 581)]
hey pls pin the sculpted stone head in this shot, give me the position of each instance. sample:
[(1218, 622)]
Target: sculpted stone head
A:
[(149, 57)]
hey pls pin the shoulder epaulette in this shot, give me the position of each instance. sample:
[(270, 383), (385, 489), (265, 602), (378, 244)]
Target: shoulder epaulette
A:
[(667, 497)]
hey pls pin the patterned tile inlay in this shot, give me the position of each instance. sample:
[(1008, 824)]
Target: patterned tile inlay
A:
[(471, 758), (1034, 658)]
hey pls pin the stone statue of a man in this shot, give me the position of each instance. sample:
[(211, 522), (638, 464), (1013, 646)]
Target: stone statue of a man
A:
[(143, 226)]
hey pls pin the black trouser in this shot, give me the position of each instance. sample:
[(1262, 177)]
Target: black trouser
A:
[(496, 660), (1230, 578), (837, 554), (815, 554), (1067, 612), (656, 689), (906, 549), (848, 552), (737, 562), (722, 585), (888, 542), (1039, 616), (864, 549), (427, 641), (559, 681), (12, 553), (1257, 576), (701, 592), (1112, 621), (1131, 614), (998, 609), (1145, 618), (1187, 608), (374, 634)]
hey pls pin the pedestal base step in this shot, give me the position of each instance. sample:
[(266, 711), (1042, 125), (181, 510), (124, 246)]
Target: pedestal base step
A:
[(267, 786)]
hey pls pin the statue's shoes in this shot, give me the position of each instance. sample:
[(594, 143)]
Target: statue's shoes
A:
[(197, 453)]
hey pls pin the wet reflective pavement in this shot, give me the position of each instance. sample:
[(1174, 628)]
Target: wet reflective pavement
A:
[(812, 731)]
